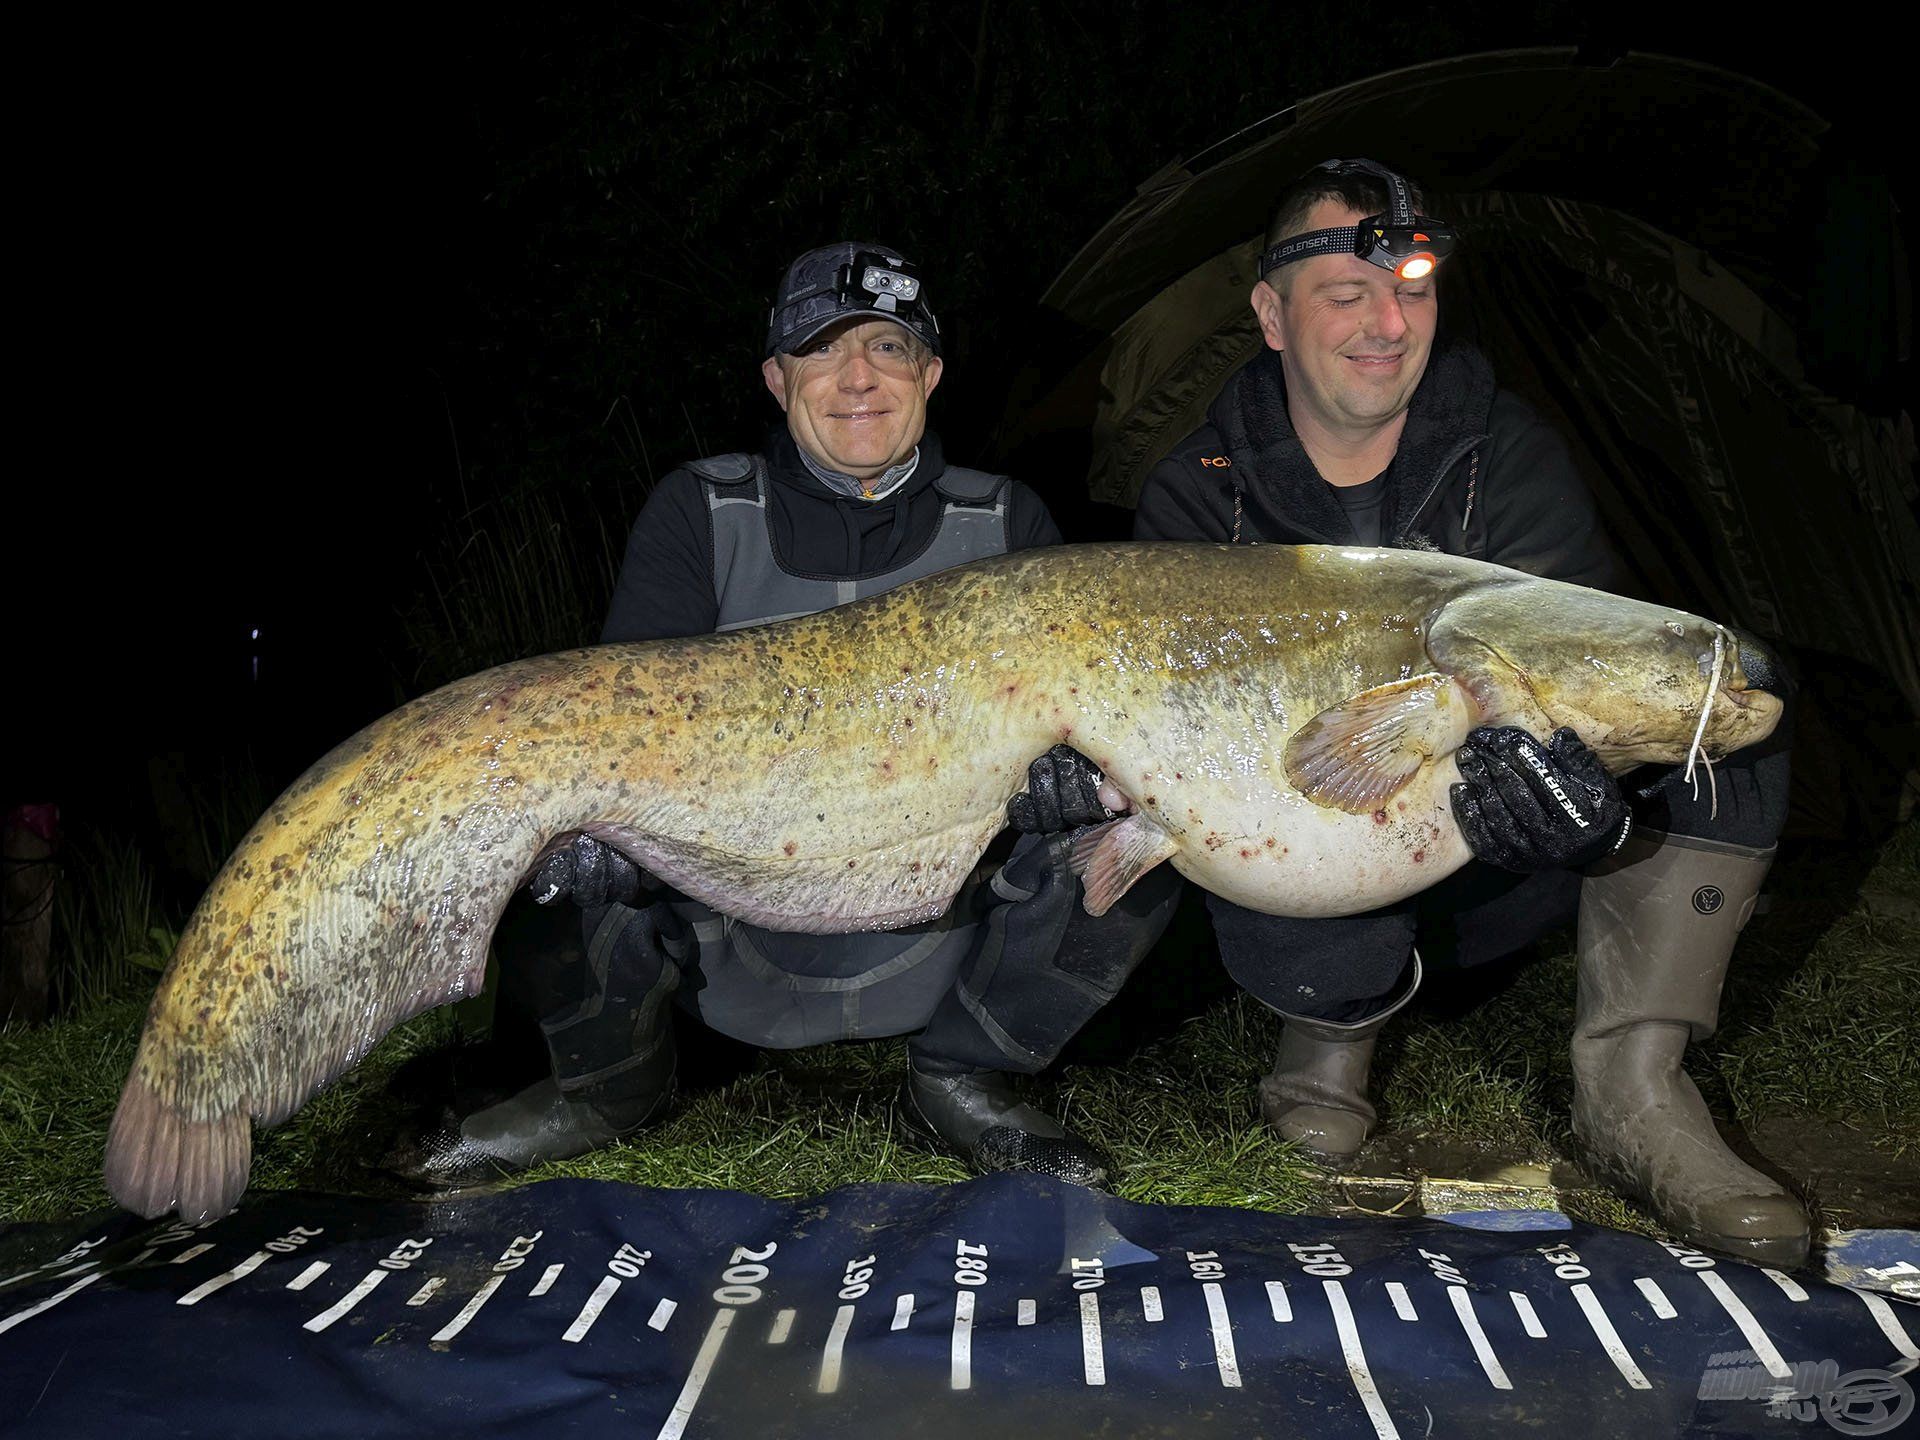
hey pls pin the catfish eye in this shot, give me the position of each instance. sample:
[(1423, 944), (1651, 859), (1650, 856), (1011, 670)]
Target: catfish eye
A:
[(1677, 628)]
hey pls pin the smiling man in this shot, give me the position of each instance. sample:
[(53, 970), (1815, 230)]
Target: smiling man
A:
[(850, 498), (1356, 424)]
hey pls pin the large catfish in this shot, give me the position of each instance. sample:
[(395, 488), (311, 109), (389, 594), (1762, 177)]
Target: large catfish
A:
[(1279, 722)]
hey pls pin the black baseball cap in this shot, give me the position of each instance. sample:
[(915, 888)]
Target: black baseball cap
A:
[(844, 281)]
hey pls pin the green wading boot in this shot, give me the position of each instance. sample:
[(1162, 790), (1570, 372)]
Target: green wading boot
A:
[(1657, 929), (1317, 1094), (979, 1116)]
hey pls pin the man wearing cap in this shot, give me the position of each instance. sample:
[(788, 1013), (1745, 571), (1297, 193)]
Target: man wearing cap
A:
[(850, 498), (1356, 424)]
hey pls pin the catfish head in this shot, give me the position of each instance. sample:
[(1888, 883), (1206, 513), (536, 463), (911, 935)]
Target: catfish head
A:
[(1633, 680)]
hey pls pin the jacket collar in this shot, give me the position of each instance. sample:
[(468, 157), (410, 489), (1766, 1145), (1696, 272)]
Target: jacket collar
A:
[(1271, 467), (783, 458)]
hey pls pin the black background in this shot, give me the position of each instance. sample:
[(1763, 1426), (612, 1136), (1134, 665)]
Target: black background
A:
[(300, 291)]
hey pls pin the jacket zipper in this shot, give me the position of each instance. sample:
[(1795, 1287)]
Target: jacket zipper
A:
[(1466, 447)]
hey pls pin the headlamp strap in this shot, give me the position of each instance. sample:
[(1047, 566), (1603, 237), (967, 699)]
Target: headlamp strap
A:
[(1355, 240), (1399, 193), (1305, 247), (895, 287)]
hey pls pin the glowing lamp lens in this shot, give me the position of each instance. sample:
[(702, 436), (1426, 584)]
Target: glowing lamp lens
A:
[(1415, 267)]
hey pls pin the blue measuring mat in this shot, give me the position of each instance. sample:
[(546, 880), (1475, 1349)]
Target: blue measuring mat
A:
[(1006, 1306)]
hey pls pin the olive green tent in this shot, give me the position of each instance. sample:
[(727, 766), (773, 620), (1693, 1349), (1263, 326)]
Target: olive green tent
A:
[(1682, 268)]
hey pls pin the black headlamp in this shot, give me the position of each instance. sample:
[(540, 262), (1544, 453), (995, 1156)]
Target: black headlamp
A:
[(872, 281), (1411, 246)]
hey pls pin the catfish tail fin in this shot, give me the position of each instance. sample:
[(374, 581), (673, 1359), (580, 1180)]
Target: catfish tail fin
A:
[(159, 1158)]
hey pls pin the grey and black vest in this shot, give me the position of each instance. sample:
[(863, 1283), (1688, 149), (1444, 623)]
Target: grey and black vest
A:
[(782, 990), (753, 587)]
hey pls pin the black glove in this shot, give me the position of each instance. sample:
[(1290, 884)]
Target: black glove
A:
[(587, 873), (1063, 791), (1525, 806)]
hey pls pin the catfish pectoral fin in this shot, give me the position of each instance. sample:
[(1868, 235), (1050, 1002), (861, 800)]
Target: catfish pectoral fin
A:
[(1109, 858), (1357, 755), (160, 1159)]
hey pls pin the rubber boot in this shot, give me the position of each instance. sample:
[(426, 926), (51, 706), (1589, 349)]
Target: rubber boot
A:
[(1316, 1096), (612, 1070), (1657, 929), (979, 1116), (543, 1122)]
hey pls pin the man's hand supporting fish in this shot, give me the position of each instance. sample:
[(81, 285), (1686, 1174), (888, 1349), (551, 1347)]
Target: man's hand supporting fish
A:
[(1280, 721)]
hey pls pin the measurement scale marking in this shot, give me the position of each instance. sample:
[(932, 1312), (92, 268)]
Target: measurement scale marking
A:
[(662, 1313), (1357, 1361), (190, 1253), (831, 1353), (73, 1254), (1889, 1323), (1761, 1343), (427, 1291), (1222, 1327), (1277, 1299), (21, 1316), (961, 1352), (782, 1327), (682, 1412), (1093, 1357), (590, 1312), (1402, 1303), (226, 1277), (1150, 1303), (472, 1308), (307, 1276), (1656, 1297), (547, 1277), (368, 1284), (1610, 1338), (1524, 1308), (1482, 1347), (1026, 1312), (902, 1312), (1788, 1285)]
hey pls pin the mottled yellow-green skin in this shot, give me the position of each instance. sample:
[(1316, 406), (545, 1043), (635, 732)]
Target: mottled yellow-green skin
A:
[(845, 770)]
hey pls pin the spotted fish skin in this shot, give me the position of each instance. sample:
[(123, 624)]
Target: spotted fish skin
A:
[(844, 771)]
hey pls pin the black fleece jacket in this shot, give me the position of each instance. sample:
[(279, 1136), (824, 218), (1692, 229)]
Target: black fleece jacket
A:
[(1477, 474), (666, 582)]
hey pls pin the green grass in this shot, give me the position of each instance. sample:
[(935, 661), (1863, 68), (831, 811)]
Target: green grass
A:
[(108, 925), (1814, 1023), (525, 573)]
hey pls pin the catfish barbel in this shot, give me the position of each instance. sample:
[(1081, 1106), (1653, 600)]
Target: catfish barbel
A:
[(1279, 722)]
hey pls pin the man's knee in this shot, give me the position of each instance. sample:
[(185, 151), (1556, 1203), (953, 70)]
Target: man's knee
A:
[(1045, 925), (1101, 951), (1340, 968)]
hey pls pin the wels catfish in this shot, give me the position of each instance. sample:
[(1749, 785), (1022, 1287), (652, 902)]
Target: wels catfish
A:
[(1278, 722)]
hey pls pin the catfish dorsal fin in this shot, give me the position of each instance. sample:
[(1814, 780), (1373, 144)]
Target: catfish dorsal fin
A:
[(1358, 754), (1109, 858)]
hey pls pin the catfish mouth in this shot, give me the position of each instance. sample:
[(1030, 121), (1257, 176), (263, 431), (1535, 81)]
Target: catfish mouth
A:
[(1761, 706)]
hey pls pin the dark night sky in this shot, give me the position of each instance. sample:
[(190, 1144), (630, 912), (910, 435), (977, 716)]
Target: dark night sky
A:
[(250, 247)]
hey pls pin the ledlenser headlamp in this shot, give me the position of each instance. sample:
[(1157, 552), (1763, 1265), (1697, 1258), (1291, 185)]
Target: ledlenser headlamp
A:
[(1411, 246)]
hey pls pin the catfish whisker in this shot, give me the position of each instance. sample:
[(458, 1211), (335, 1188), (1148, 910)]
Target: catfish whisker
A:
[(1713, 688), (1696, 751)]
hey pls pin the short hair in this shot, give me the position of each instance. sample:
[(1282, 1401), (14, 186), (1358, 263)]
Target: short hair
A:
[(1357, 190)]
